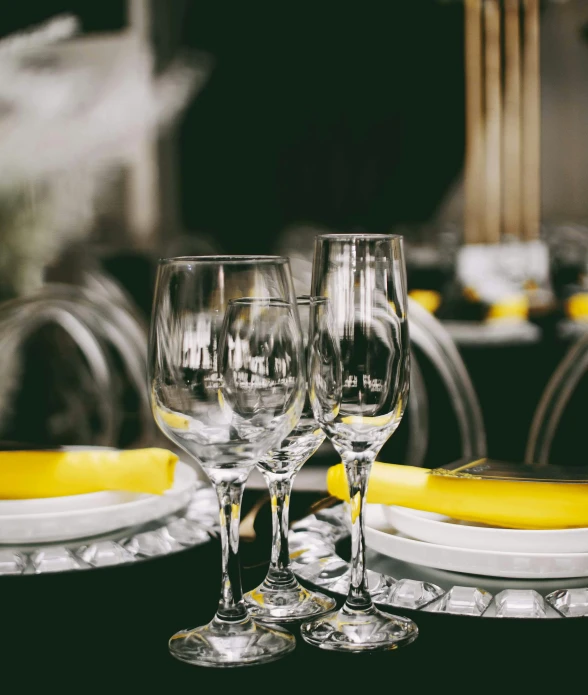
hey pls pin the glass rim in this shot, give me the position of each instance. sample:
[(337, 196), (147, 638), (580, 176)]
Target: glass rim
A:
[(375, 237), (264, 301), (309, 299), (221, 259)]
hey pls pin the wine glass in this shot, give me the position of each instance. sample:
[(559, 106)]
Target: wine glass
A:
[(227, 384), (280, 597), (359, 407)]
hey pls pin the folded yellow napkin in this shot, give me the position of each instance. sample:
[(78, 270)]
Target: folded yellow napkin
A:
[(505, 503), (33, 474)]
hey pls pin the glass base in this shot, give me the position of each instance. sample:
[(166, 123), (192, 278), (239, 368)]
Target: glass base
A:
[(287, 604), (226, 645), (357, 631)]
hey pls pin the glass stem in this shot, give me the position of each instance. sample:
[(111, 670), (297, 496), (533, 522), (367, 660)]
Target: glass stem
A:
[(231, 607), (279, 573), (358, 469)]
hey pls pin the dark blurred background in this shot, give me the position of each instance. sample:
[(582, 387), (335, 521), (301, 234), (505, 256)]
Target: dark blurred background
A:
[(318, 117), (349, 118)]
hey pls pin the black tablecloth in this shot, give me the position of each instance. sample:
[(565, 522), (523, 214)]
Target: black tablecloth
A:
[(108, 628)]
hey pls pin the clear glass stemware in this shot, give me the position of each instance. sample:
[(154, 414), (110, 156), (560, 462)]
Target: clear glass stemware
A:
[(358, 396), (227, 385), (280, 597)]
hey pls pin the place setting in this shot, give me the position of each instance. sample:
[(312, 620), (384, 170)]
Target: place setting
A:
[(481, 519), (510, 541), (74, 508), (244, 375), (293, 362)]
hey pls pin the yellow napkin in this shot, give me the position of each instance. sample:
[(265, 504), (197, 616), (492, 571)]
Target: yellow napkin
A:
[(33, 474), (428, 299), (505, 503), (515, 307), (577, 306)]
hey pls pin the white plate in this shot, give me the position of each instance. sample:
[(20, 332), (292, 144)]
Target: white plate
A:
[(384, 538), (46, 505), (443, 530), (59, 519)]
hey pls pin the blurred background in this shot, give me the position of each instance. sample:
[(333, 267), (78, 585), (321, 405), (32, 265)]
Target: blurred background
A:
[(135, 129)]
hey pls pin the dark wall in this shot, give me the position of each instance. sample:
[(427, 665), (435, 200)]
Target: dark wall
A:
[(106, 15), (349, 118)]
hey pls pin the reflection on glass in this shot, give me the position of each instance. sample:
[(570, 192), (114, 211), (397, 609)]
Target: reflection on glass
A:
[(227, 385), (358, 392), (280, 597)]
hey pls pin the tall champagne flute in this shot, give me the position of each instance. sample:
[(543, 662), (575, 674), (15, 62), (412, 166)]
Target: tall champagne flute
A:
[(280, 597), (364, 277), (227, 385)]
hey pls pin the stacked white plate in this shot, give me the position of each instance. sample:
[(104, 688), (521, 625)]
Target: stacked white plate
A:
[(433, 540), (56, 519)]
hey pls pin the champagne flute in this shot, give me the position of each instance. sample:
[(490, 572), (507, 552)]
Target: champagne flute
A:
[(364, 277), (227, 384), (280, 597)]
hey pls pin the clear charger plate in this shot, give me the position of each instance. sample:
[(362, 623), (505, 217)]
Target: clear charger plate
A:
[(196, 523), (395, 583)]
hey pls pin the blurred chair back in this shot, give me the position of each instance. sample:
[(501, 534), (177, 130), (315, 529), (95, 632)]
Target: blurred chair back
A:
[(418, 422), (112, 342), (554, 400), (429, 335)]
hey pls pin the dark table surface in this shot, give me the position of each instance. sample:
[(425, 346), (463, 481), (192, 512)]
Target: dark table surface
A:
[(108, 629)]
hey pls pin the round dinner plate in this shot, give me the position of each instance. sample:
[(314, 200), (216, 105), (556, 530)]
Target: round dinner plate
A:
[(59, 519), (385, 538), (443, 530)]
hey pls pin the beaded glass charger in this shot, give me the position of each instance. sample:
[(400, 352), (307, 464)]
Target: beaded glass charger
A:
[(399, 584), (164, 530)]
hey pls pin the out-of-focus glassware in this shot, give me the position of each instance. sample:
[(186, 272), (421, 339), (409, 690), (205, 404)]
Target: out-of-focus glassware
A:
[(280, 597), (554, 400), (84, 356), (430, 336), (359, 388), (227, 385)]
